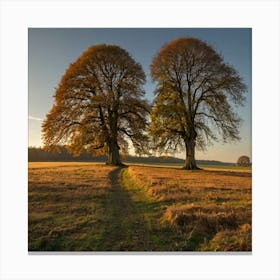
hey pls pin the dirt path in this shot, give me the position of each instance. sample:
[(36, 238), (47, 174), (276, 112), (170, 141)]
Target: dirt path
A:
[(125, 227)]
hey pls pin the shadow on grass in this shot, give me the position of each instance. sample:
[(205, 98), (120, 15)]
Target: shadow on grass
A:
[(133, 220), (124, 218), (124, 227), (160, 237)]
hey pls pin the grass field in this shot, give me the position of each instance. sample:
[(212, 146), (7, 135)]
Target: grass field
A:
[(94, 207), (203, 166)]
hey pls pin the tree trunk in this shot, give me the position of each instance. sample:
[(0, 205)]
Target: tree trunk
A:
[(190, 163), (113, 154)]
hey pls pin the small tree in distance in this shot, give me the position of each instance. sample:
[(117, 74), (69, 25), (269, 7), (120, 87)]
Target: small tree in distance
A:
[(243, 161), (99, 105), (194, 101)]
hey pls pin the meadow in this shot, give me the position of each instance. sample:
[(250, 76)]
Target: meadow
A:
[(93, 207)]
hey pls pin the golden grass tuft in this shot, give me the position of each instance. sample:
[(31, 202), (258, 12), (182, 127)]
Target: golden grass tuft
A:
[(209, 218), (210, 208), (232, 240)]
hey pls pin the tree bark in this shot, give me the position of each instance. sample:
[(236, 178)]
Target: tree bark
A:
[(113, 154), (190, 163)]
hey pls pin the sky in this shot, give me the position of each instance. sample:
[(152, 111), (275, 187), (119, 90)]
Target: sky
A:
[(51, 50)]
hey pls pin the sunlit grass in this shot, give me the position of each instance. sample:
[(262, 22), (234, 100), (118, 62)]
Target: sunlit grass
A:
[(94, 207), (210, 210), (65, 205)]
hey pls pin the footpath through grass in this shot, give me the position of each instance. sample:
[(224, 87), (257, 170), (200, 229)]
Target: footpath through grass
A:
[(124, 226), (93, 208), (100, 208)]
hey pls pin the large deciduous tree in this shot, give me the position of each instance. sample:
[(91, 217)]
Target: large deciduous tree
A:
[(195, 97), (99, 105)]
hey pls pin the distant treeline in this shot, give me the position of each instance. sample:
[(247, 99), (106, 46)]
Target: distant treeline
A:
[(38, 154)]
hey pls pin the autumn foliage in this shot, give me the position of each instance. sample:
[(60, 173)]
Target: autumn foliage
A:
[(99, 105), (196, 91)]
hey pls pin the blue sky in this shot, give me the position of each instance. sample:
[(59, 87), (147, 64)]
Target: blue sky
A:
[(51, 50)]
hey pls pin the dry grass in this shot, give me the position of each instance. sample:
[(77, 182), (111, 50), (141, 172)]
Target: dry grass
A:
[(239, 239), (93, 207), (168, 184), (210, 208), (65, 203)]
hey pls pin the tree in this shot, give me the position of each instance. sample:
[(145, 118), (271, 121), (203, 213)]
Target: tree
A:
[(243, 161), (195, 94), (99, 105)]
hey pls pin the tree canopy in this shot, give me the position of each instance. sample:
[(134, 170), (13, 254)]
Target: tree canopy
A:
[(243, 161), (195, 98), (99, 105)]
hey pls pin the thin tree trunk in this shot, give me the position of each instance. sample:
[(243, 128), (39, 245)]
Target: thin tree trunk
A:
[(190, 163), (113, 154)]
